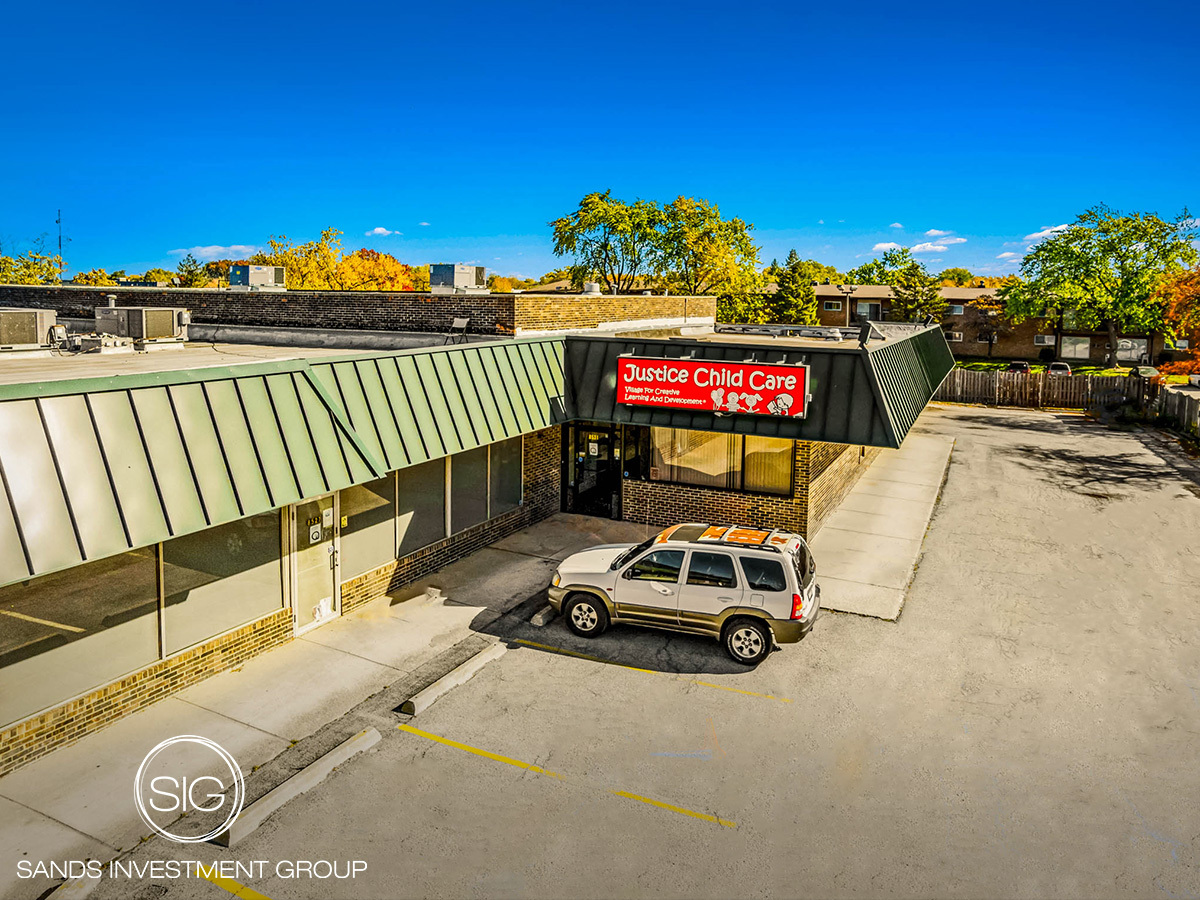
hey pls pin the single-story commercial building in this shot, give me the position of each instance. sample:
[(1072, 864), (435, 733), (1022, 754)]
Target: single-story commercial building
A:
[(168, 515)]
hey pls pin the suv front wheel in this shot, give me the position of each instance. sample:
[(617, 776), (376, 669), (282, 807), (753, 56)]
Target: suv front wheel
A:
[(748, 641), (586, 616)]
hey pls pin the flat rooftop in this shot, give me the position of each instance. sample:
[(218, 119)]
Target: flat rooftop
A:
[(787, 336), (28, 368)]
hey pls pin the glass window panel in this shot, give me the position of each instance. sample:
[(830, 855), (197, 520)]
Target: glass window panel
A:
[(505, 476), (220, 578), (712, 570), (421, 517), (661, 565), (369, 530), (696, 457), (763, 574), (65, 633), (468, 489), (768, 465)]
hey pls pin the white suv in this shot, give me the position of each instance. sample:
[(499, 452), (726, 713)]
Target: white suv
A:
[(749, 588)]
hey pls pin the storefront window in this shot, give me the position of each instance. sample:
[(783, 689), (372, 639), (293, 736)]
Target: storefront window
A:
[(421, 514), (505, 477), (468, 489), (218, 579), (369, 533), (725, 461), (65, 633)]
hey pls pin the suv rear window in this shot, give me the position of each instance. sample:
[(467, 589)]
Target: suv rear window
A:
[(763, 574)]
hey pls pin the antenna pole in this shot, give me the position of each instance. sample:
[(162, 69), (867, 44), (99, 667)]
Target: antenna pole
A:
[(58, 222)]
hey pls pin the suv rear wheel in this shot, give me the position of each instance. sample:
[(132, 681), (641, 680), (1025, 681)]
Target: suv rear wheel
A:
[(586, 616), (747, 641)]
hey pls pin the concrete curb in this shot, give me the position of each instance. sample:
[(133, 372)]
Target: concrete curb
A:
[(308, 777), (424, 699), (543, 616), (76, 887)]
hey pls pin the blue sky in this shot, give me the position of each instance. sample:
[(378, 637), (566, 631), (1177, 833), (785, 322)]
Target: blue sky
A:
[(465, 128)]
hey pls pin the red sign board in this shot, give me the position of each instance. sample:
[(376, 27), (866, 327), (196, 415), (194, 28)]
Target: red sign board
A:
[(757, 389)]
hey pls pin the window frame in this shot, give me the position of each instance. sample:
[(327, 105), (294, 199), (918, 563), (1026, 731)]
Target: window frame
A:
[(954, 337), (733, 567), (740, 488), (1043, 340), (832, 306), (950, 309)]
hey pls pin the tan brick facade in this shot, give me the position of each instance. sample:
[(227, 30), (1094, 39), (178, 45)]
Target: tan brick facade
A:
[(823, 475), (64, 725), (550, 312), (542, 480)]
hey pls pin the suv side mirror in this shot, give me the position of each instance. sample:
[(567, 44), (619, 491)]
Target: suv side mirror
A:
[(628, 574)]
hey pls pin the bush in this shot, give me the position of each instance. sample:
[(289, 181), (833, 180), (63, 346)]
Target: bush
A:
[(1046, 354), (1189, 366)]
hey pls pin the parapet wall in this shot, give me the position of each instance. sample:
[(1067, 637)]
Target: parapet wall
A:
[(512, 314)]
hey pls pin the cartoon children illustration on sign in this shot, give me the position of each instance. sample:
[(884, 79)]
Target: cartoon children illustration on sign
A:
[(780, 405)]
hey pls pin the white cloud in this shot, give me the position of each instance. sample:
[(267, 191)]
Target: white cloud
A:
[(380, 231), (1008, 254), (895, 225), (1046, 232), (952, 240), (216, 251), (890, 245), (929, 247), (820, 221), (937, 232), (422, 223)]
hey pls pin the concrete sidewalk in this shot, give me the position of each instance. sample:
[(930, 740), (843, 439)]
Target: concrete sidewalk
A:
[(868, 549), (77, 802)]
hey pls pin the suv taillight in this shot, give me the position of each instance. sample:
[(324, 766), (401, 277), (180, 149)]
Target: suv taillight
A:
[(797, 603)]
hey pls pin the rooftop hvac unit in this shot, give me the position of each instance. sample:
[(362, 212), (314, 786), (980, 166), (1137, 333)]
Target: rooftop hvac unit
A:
[(26, 327), (258, 278), (449, 278), (143, 323)]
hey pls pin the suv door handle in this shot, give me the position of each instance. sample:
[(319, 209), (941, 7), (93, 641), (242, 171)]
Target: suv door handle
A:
[(666, 592)]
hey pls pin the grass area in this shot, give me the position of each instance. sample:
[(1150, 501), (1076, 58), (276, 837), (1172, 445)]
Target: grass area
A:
[(999, 365)]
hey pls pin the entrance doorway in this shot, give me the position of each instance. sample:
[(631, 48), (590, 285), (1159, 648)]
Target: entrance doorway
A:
[(594, 471), (317, 538)]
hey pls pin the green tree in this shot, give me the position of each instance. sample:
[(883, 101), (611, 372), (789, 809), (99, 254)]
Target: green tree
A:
[(915, 293), (987, 317), (617, 241), (956, 276), (874, 272), (191, 272), (795, 302), (1107, 271), (159, 274), (701, 253)]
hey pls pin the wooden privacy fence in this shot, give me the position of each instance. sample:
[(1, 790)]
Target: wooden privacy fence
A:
[(1183, 409), (1042, 390)]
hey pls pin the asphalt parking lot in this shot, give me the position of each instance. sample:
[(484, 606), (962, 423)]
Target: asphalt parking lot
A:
[(1028, 727)]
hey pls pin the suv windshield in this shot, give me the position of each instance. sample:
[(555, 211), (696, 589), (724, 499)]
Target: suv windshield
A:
[(629, 554)]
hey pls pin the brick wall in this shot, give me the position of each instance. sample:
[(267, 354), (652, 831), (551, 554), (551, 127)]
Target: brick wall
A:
[(551, 312), (542, 483), (824, 474), (663, 503), (370, 310), (65, 724), (833, 470)]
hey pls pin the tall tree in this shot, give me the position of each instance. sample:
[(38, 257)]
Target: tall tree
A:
[(191, 272), (1107, 270), (310, 266), (795, 302), (1181, 297), (701, 253), (95, 277), (915, 293), (30, 268), (956, 276), (615, 240)]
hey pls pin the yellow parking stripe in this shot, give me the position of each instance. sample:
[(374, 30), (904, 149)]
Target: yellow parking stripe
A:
[(683, 811), (678, 809), (609, 662), (37, 621), (233, 887), (484, 753)]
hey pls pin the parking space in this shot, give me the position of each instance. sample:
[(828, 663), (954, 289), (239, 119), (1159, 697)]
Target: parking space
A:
[(1025, 728)]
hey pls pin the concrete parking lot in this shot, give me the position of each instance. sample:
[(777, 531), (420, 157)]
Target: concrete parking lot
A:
[(1027, 728)]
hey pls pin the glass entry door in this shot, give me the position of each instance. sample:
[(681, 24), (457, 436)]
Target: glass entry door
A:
[(595, 473), (317, 543)]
